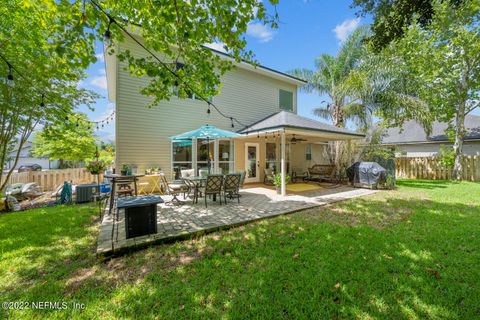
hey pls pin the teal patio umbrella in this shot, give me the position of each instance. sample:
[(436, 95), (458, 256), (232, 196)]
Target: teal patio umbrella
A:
[(205, 132)]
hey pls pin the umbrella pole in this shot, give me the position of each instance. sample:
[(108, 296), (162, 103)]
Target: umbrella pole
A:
[(208, 155)]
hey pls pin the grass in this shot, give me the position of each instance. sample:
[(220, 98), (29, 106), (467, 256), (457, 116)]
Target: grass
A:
[(411, 253)]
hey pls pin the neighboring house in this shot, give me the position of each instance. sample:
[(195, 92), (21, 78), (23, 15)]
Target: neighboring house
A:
[(412, 141), (263, 99), (26, 157)]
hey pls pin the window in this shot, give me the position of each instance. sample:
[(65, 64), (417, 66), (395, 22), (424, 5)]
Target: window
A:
[(225, 156), (286, 100), (205, 149), (308, 152), (271, 156), (181, 156)]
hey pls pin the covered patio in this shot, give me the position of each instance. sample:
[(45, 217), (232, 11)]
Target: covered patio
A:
[(176, 222), (283, 142), (302, 143)]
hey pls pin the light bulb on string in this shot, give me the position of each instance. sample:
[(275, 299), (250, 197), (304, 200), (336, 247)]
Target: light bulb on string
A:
[(107, 36), (231, 119), (10, 77), (42, 104), (208, 110)]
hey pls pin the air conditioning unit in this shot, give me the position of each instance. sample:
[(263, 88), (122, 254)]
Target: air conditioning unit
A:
[(85, 192)]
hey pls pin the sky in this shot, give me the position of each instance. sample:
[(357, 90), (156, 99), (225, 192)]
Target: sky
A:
[(307, 28)]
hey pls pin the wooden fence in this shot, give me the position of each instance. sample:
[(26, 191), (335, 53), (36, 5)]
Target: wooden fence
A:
[(430, 168), (49, 180)]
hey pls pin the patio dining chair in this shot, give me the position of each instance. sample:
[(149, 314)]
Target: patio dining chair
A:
[(231, 186), (173, 189), (213, 187), (185, 174)]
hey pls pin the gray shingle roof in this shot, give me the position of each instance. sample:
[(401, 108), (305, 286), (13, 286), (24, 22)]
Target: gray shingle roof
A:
[(413, 132), (286, 119)]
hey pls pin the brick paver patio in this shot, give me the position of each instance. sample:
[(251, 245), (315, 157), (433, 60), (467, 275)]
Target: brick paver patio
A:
[(181, 221)]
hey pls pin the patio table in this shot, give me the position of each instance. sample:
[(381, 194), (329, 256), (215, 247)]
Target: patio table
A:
[(196, 182), (117, 179)]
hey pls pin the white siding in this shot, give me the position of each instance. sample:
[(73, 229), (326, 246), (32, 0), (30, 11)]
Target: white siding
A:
[(142, 133), (428, 150), (298, 156)]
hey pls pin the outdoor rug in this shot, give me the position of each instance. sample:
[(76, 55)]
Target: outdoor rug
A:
[(300, 187)]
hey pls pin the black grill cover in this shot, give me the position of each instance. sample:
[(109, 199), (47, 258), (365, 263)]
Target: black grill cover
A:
[(370, 173)]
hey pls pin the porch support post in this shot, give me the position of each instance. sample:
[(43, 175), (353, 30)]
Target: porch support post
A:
[(282, 163), (194, 155)]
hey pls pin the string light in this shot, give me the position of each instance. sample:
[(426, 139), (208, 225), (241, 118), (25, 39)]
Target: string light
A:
[(10, 79), (258, 135), (107, 38), (107, 35), (10, 73)]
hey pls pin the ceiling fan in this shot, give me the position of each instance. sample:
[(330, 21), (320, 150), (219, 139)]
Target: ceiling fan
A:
[(295, 140)]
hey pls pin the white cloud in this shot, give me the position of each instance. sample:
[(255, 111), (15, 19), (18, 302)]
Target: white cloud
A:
[(107, 112), (99, 81), (343, 30), (260, 31), (216, 46), (100, 56)]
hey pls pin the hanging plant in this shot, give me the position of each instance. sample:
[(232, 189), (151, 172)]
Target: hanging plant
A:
[(96, 167)]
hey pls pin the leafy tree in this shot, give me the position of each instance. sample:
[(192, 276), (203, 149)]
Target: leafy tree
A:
[(52, 42), (391, 17), (71, 140), (107, 152), (37, 43), (333, 78), (179, 30), (444, 59), (374, 149)]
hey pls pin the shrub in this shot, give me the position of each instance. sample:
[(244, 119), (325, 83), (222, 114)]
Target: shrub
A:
[(446, 157)]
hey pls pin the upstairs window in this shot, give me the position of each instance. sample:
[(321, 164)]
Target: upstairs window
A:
[(286, 100)]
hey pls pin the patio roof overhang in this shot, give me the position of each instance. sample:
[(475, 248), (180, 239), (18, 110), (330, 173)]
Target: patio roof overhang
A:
[(292, 128), (293, 124)]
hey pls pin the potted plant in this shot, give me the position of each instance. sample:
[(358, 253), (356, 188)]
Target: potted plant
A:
[(126, 170), (96, 167), (277, 181)]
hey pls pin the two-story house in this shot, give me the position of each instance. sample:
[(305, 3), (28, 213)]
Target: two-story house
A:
[(263, 99)]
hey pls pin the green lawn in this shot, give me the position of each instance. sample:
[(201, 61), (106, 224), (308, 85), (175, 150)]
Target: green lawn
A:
[(410, 253)]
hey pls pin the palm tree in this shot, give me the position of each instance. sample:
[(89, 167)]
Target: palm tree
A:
[(333, 77)]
